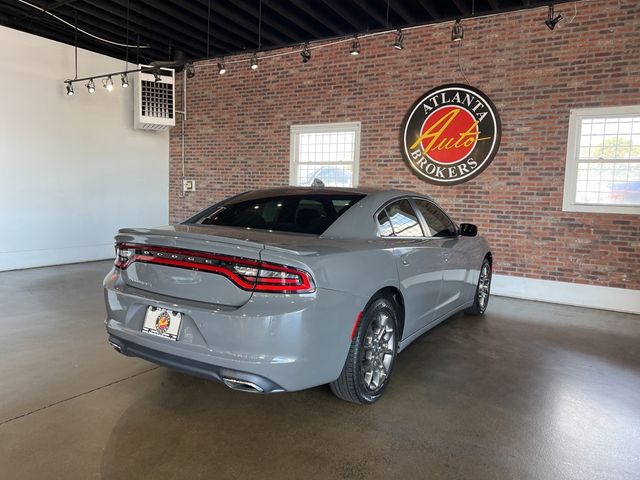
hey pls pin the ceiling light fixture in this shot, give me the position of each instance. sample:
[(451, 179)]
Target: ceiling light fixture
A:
[(221, 69), (254, 62), (457, 32), (355, 46), (108, 83), (399, 43), (306, 53), (107, 79), (552, 19)]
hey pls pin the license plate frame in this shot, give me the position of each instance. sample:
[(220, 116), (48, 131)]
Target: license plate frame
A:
[(162, 322)]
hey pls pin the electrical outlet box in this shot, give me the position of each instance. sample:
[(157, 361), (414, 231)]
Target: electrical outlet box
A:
[(188, 185)]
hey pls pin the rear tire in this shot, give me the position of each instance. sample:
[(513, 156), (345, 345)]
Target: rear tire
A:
[(372, 355), (481, 298)]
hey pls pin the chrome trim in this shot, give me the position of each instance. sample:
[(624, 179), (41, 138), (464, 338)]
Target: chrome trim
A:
[(242, 385)]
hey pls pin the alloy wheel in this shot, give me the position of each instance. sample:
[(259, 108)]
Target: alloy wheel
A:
[(483, 285), (378, 354)]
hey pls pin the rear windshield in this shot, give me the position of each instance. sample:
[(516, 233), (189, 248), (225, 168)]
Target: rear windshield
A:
[(312, 213)]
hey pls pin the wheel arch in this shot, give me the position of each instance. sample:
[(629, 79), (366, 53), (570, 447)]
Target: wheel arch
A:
[(394, 294)]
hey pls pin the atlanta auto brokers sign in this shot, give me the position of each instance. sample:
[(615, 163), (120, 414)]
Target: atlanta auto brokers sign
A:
[(451, 134)]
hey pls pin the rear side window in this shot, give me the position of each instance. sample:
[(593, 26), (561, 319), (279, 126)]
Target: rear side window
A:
[(384, 224), (398, 219), (291, 213), (436, 220)]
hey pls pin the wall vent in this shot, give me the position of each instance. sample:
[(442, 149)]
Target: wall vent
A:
[(154, 100)]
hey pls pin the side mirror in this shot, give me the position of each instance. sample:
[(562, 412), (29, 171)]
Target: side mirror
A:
[(468, 230)]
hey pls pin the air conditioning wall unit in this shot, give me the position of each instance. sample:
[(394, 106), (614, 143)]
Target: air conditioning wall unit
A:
[(154, 98)]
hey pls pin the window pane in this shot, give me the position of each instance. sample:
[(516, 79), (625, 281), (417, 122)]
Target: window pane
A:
[(384, 224), (608, 154), (437, 221), (330, 175), (325, 156), (312, 213), (404, 220)]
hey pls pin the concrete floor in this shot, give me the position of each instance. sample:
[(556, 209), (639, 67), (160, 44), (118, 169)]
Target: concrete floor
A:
[(532, 390)]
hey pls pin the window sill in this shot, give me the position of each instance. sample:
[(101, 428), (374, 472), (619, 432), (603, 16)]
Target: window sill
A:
[(600, 208)]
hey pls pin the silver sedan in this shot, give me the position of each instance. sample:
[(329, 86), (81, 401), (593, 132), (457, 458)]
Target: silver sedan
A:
[(289, 288)]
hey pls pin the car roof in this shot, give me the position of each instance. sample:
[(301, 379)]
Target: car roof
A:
[(364, 190)]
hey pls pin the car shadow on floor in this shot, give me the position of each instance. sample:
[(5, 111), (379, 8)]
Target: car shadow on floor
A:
[(474, 397)]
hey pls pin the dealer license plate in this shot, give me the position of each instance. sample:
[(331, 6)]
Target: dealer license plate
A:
[(162, 322)]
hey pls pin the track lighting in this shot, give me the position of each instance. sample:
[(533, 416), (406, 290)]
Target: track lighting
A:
[(69, 88), (108, 83), (457, 33), (306, 53), (552, 19), (254, 62), (125, 80), (191, 71), (355, 46), (91, 87), (399, 43), (221, 68), (156, 76)]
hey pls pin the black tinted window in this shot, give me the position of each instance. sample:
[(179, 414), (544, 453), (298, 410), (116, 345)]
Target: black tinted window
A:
[(293, 213), (403, 220), (437, 221)]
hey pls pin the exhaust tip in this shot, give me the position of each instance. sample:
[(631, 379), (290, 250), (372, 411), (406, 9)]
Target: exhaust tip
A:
[(115, 346), (242, 385)]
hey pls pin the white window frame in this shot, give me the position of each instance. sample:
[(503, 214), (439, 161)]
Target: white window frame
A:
[(571, 167), (296, 130)]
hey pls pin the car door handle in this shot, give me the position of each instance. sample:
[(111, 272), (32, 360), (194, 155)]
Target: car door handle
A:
[(404, 260)]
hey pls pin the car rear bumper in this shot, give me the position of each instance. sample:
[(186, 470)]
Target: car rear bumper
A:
[(275, 342), (232, 378)]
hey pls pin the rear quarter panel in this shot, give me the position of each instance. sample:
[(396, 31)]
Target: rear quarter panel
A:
[(359, 268)]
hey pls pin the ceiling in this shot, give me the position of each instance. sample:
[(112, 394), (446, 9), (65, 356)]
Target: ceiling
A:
[(169, 27)]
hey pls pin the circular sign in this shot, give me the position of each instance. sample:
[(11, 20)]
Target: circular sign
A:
[(450, 134), (163, 322)]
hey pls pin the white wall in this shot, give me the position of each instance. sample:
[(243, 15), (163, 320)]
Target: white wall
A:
[(72, 169)]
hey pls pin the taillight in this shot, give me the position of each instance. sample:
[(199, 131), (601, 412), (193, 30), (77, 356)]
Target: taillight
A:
[(245, 273), (123, 255)]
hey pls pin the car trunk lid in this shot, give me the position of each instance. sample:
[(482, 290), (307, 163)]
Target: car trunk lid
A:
[(175, 247)]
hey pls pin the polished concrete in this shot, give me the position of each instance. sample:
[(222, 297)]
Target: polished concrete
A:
[(530, 391)]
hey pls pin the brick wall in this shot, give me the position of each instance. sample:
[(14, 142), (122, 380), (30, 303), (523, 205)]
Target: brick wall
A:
[(237, 137)]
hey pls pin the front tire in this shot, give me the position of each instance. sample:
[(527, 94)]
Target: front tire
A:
[(481, 299), (372, 355)]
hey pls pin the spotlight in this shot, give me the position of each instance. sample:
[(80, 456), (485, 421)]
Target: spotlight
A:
[(191, 71), (254, 62), (306, 53), (156, 76), (108, 83), (125, 80), (552, 19), (221, 68), (399, 43), (91, 87), (69, 88), (355, 46), (457, 33)]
